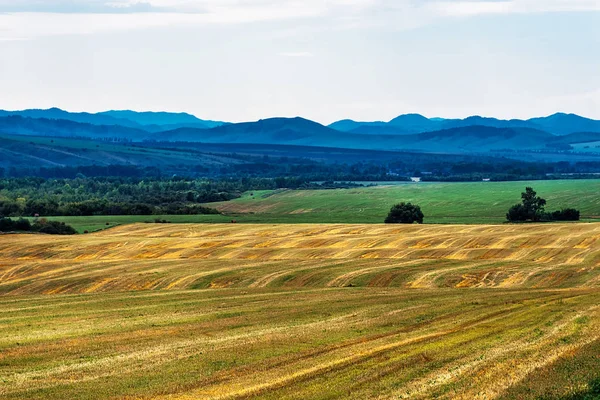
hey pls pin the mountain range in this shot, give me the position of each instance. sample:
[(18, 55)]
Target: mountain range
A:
[(557, 124), (409, 132), (147, 121)]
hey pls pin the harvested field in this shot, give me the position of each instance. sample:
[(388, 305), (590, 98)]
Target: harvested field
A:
[(301, 311), (142, 256)]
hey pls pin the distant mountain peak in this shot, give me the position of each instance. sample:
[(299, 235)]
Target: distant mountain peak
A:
[(565, 115), (162, 118), (410, 117)]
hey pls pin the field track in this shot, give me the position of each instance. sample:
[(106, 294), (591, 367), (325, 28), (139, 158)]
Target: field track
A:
[(301, 311)]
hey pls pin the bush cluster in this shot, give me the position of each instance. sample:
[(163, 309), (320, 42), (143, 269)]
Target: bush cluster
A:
[(532, 208), (98, 207), (566, 214), (42, 226), (405, 213)]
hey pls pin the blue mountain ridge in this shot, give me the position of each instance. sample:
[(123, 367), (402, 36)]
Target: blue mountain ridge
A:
[(557, 124)]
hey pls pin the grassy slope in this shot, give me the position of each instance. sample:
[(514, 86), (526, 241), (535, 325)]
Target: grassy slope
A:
[(36, 151), (480, 202), (447, 203)]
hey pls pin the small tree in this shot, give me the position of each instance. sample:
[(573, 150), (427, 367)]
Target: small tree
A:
[(534, 205), (531, 209), (405, 213)]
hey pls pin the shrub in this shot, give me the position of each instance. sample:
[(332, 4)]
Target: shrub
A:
[(566, 214), (532, 209), (8, 225), (517, 213), (22, 224), (54, 228), (405, 213)]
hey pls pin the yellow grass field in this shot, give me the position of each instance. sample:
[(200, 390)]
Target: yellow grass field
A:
[(302, 311)]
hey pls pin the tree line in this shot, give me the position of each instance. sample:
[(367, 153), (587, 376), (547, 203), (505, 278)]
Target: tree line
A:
[(84, 196), (313, 167), (41, 225)]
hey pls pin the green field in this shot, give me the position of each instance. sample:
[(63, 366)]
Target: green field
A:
[(442, 203), (473, 203)]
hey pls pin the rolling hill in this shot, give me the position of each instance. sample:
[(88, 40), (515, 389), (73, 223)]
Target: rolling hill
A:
[(19, 125), (309, 311), (39, 151), (476, 140), (161, 121), (348, 125), (563, 124), (297, 132), (557, 124), (58, 114), (148, 121), (578, 137), (479, 139)]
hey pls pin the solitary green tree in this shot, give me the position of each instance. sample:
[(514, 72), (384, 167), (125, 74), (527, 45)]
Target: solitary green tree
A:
[(405, 213), (531, 209)]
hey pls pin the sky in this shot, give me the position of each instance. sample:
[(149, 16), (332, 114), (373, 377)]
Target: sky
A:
[(243, 60)]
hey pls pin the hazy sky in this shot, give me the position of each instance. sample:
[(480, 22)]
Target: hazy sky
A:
[(239, 60)]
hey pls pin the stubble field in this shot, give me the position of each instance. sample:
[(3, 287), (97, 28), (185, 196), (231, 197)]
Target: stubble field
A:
[(302, 311)]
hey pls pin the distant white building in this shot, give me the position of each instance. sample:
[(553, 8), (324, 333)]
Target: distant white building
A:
[(487, 180), (415, 179)]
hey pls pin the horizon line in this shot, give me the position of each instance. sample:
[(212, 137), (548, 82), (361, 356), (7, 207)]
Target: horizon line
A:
[(297, 116)]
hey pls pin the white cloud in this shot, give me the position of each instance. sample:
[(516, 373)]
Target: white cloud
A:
[(472, 8), (35, 24), (297, 54), (30, 18), (78, 7), (179, 6), (340, 8), (26, 19)]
